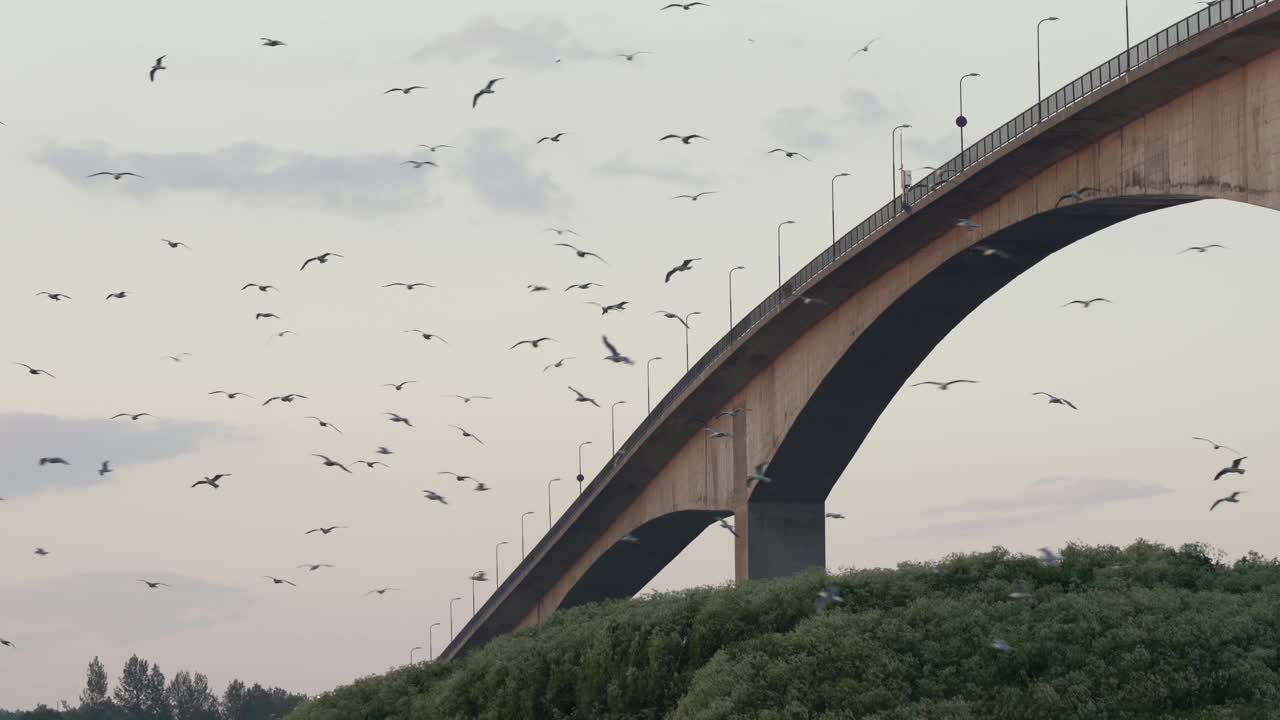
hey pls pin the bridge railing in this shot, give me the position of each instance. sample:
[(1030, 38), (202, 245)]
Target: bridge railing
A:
[(1211, 16)]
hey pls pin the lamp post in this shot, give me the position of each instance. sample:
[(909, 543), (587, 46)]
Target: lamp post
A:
[(731, 271), (412, 651), (497, 576), (613, 424), (552, 480), (451, 602), (522, 517), (1126, 29), (784, 222), (581, 477), (685, 322), (961, 120), (1039, 92), (477, 576), (893, 161), (833, 208), (648, 384), (431, 645)]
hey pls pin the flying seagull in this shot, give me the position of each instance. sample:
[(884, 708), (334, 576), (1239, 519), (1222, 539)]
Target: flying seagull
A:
[(35, 371), (383, 450), (8, 643), (580, 253), (632, 56), (943, 385), (552, 138), (312, 567), (456, 476), (433, 148), (614, 355), (1203, 248), (988, 251), (533, 343), (212, 481), (1232, 498), (400, 385), (52, 461), (418, 164), (174, 244), (686, 264), (1055, 400), (54, 296), (399, 419), (730, 413), (835, 516), (322, 258), (1077, 195), (408, 286), (115, 175), (468, 398), (583, 286), (266, 316), (686, 139), (583, 398), (1233, 469), (788, 153), (967, 224), (435, 496), (158, 66), (1001, 646), (864, 49), (120, 295), (481, 487), (325, 530), (278, 581), (758, 476), (728, 527), (285, 398), (230, 395), (606, 309), (557, 364), (178, 358), (486, 90), (324, 424), (40, 551), (684, 6), (329, 462), (827, 597), (259, 288), (132, 416), (269, 42), (371, 463), (560, 232), (1086, 303), (716, 434), (105, 468), (1215, 445), (1049, 557), (695, 196), (381, 591), (428, 336), (467, 434), (153, 585), (406, 90)]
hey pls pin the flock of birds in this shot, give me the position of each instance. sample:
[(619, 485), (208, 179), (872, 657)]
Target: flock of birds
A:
[(828, 596)]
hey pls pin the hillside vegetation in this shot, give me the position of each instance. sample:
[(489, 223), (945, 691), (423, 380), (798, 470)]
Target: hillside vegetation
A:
[(1142, 632)]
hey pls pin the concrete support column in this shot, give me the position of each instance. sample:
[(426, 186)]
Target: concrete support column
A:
[(783, 538)]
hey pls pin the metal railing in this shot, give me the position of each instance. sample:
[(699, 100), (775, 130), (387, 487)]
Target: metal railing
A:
[(1209, 17)]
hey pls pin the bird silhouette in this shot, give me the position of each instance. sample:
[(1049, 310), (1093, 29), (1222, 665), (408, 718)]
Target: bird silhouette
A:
[(400, 385), (405, 90), (1086, 303), (1232, 469), (409, 286), (828, 596), (212, 481), (230, 395), (632, 56), (371, 463), (35, 370), (322, 258), (269, 42), (428, 336), (686, 139), (329, 462), (533, 343), (259, 288), (583, 286), (115, 175), (52, 461), (1232, 498), (695, 196), (466, 433), (1215, 445), (864, 49), (583, 398), (684, 6), (54, 296), (325, 530), (580, 253), (8, 643), (284, 398), (788, 153), (132, 416), (1077, 195), (614, 356), (942, 385), (550, 138), (174, 244), (606, 309), (435, 497), (105, 468), (398, 419), (534, 288), (153, 584), (686, 264), (727, 526), (433, 148), (312, 567), (419, 164), (557, 364), (155, 68), (324, 423), (1055, 400), (278, 581), (486, 90), (1203, 248), (121, 295), (468, 398)]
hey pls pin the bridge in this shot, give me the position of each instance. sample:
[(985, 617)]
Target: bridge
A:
[(1193, 112)]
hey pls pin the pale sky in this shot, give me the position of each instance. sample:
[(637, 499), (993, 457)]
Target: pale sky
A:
[(259, 158)]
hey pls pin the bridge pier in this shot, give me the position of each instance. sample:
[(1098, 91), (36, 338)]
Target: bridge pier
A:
[(776, 539)]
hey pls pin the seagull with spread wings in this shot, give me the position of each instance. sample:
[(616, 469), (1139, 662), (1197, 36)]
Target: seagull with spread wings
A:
[(614, 356), (486, 90), (329, 462), (322, 258), (686, 264), (942, 385), (581, 253)]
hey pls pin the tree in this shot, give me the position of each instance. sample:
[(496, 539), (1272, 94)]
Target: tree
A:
[(257, 702), (156, 699), (233, 701), (95, 687), (190, 697), (131, 687)]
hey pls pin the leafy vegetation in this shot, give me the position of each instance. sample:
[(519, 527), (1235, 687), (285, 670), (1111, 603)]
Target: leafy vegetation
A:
[(142, 693), (1142, 632)]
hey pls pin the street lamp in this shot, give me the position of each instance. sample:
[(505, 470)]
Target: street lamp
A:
[(1039, 93), (477, 576), (961, 120), (497, 576), (522, 517), (431, 649), (648, 394), (411, 652), (1126, 29), (613, 423), (731, 271), (833, 207), (552, 480), (893, 161), (581, 477), (451, 602), (784, 222), (685, 322)]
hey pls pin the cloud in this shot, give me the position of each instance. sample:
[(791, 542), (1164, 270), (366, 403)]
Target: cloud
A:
[(1041, 501), (863, 108), (623, 166), (350, 183), (802, 129), (496, 167), (107, 607), (536, 42), (25, 438)]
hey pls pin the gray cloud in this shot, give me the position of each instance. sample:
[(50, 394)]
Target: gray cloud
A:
[(623, 166), (863, 108), (250, 171), (108, 607), (1043, 500), (25, 438), (496, 167), (536, 42)]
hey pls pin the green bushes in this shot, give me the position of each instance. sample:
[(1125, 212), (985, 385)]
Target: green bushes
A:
[(1142, 632)]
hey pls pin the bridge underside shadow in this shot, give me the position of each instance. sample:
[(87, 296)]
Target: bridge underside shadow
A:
[(845, 406), (624, 569)]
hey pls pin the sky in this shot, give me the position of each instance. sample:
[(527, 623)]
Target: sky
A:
[(258, 158)]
